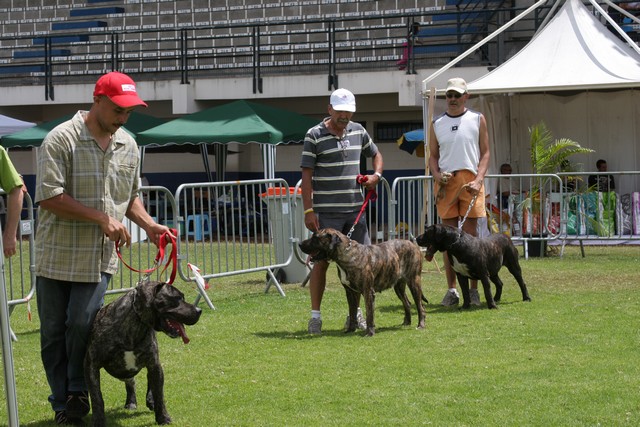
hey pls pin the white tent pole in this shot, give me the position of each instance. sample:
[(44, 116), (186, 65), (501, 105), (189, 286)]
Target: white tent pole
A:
[(615, 24), (426, 191), (425, 82)]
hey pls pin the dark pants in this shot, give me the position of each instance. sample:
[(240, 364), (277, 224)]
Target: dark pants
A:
[(66, 311)]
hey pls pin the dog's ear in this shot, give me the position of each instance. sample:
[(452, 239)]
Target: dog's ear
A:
[(157, 286)]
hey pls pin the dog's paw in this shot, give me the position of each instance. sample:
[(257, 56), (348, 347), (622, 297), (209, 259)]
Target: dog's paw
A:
[(164, 420)]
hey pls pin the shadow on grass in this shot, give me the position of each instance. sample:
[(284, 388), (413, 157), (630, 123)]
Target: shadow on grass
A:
[(335, 333), (115, 418)]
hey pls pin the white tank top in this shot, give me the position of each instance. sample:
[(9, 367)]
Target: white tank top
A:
[(458, 141)]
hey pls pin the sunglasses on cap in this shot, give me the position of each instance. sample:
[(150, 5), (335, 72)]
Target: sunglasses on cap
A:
[(453, 94)]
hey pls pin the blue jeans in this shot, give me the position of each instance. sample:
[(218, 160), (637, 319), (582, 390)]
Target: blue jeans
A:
[(66, 310)]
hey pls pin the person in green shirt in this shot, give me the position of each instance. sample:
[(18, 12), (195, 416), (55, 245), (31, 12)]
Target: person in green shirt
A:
[(12, 184)]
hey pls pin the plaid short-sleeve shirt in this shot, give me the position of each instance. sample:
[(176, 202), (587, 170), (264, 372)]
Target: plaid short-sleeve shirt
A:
[(71, 162)]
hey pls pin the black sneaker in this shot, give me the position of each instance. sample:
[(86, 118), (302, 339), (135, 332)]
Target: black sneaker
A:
[(77, 404), (61, 418)]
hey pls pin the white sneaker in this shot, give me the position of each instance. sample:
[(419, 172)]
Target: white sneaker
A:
[(475, 297), (362, 322), (451, 298)]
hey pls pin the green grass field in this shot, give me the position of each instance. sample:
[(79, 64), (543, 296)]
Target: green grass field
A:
[(568, 358)]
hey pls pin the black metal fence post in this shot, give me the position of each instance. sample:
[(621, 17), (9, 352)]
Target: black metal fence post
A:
[(333, 76), (257, 79), (184, 63)]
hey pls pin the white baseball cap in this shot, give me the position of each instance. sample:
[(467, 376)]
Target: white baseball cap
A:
[(457, 84), (343, 100)]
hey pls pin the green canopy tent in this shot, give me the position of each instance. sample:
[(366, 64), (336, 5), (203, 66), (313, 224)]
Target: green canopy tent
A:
[(34, 136), (239, 121)]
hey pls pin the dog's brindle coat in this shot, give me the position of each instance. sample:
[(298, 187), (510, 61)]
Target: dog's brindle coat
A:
[(475, 258), (370, 269), (123, 341)]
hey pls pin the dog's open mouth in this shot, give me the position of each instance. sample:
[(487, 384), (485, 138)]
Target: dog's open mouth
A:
[(314, 255), (175, 329), (428, 255)]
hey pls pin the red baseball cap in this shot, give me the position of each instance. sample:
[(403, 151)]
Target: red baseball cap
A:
[(120, 89)]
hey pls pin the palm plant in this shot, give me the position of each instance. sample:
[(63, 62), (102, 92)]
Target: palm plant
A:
[(548, 156)]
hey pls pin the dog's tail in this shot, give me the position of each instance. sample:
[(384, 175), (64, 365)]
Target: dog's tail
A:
[(425, 299)]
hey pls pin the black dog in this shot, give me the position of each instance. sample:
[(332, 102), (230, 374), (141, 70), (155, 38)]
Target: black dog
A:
[(123, 341), (475, 258), (370, 269)]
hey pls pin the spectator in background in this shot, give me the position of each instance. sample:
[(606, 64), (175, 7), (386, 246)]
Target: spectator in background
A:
[(570, 182), (12, 184), (407, 47), (507, 188), (601, 182)]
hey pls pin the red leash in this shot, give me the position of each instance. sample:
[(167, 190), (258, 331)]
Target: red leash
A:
[(165, 239), (370, 197)]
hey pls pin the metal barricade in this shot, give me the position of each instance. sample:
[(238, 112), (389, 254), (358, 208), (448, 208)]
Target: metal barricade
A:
[(225, 229), (530, 213), (19, 270), (161, 205), (17, 286), (527, 207), (413, 202), (601, 211)]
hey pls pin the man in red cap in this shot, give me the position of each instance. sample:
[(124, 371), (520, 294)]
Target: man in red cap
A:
[(87, 182)]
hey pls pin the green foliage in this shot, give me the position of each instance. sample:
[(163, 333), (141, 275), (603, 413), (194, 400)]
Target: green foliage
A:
[(567, 358), (547, 154)]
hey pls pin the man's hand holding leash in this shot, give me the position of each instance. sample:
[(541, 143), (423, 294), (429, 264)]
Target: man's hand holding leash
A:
[(369, 181), (156, 230), (474, 187)]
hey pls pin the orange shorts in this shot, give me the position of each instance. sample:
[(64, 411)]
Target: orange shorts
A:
[(455, 202)]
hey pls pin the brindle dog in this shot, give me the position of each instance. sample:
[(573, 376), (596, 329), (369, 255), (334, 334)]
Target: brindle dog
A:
[(370, 269), (123, 341), (475, 258)]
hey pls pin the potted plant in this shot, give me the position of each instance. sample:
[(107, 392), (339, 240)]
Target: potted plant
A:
[(548, 156)]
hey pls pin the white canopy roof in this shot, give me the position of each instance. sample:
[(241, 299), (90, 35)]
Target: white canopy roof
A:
[(9, 125), (574, 51)]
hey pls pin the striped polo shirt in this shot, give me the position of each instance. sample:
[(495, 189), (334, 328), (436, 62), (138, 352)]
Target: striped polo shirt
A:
[(336, 165), (71, 162)]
